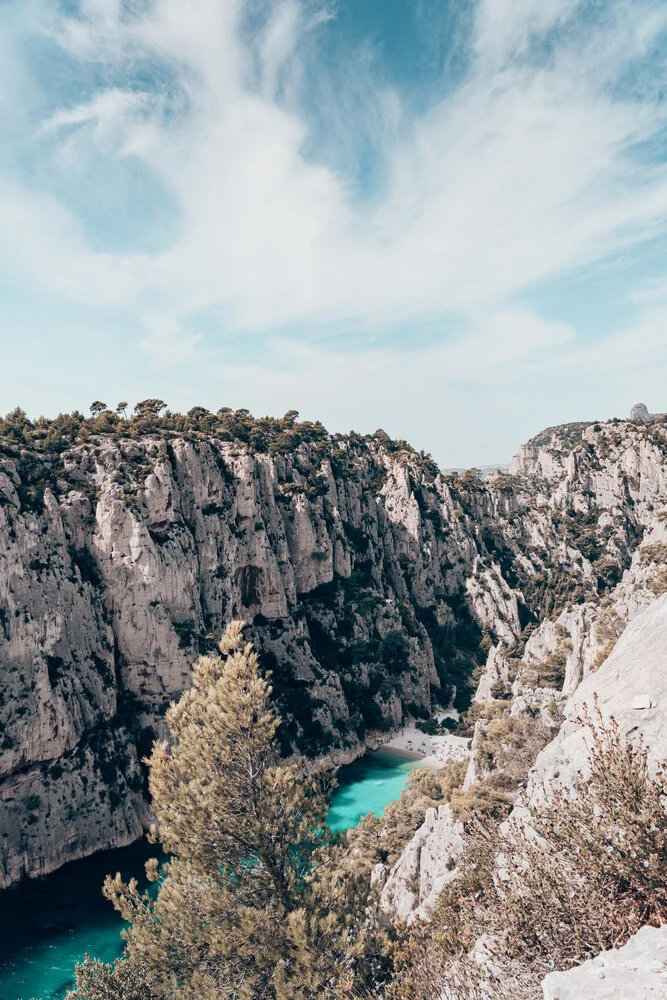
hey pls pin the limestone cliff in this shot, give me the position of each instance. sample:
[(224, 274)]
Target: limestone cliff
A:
[(630, 687), (638, 970), (373, 585), (587, 556), (123, 557)]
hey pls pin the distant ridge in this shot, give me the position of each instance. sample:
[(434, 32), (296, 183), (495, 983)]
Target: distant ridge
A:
[(486, 470)]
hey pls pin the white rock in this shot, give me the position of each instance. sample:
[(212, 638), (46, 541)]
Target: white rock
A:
[(426, 865), (637, 971), (636, 671)]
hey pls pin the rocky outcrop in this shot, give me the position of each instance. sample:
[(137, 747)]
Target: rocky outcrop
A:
[(548, 453), (588, 567), (640, 412), (495, 678), (606, 495), (123, 558), (588, 555), (630, 687), (412, 888), (637, 971)]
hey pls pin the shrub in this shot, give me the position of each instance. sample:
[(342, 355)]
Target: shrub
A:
[(657, 583), (489, 799), (383, 840), (586, 874), (598, 872), (609, 628), (429, 726)]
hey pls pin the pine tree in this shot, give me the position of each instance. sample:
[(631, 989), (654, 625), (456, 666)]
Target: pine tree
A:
[(254, 903)]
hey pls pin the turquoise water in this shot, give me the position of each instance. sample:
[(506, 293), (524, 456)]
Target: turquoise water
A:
[(49, 924), (368, 785)]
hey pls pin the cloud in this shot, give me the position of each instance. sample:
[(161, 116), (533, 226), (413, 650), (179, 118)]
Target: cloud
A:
[(505, 28), (108, 109), (168, 342), (344, 387), (532, 165), (277, 46)]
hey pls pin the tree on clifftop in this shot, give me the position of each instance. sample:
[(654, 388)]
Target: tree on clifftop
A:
[(252, 904), (150, 407)]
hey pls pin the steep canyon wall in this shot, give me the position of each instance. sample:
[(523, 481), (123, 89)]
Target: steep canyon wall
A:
[(372, 584)]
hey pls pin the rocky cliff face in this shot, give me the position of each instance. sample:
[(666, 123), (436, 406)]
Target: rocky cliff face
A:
[(372, 584), (603, 489), (638, 970), (122, 558), (587, 561), (412, 887), (630, 687)]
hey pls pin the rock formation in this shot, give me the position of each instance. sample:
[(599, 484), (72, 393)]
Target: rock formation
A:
[(630, 687), (427, 864), (122, 558), (640, 412), (637, 971), (372, 585), (594, 500)]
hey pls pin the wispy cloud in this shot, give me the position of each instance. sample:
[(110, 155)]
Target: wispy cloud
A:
[(540, 160)]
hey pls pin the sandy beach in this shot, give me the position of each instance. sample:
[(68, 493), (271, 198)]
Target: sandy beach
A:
[(433, 751)]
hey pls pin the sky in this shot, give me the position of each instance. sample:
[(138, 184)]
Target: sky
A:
[(446, 218)]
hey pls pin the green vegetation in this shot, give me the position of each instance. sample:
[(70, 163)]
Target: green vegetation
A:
[(504, 750), (550, 672), (152, 416), (457, 646)]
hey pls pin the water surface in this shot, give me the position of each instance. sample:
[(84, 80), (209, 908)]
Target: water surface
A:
[(49, 924), (368, 785)]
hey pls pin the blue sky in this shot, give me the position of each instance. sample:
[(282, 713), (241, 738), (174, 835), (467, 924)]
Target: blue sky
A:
[(448, 219)]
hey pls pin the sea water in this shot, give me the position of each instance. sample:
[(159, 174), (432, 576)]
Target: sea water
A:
[(49, 924), (368, 785)]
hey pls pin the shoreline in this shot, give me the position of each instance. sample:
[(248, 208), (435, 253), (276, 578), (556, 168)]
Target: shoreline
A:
[(396, 753), (407, 743), (432, 751)]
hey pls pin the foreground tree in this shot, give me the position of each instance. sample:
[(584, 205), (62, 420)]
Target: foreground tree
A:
[(254, 903)]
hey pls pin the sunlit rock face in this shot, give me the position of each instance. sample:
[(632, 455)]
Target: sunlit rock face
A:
[(640, 412), (629, 687), (637, 971), (412, 888), (371, 583)]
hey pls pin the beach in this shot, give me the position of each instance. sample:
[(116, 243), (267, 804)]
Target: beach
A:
[(432, 751)]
